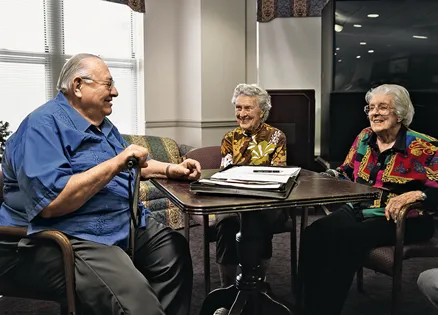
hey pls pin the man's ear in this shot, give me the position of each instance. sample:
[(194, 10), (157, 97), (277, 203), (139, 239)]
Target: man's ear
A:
[(77, 85)]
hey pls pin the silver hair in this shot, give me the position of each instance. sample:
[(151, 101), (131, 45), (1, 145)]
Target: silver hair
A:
[(74, 67), (264, 99), (403, 105)]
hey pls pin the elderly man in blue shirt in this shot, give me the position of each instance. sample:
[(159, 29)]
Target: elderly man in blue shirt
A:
[(65, 169)]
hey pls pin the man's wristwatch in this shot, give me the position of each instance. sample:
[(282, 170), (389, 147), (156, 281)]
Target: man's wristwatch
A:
[(423, 196)]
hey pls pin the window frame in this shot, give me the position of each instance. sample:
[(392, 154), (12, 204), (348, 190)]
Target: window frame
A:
[(54, 57)]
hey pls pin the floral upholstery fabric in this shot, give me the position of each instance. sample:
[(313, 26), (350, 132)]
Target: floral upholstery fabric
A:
[(135, 5), (164, 150), (267, 10)]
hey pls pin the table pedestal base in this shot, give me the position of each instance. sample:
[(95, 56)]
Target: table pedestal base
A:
[(249, 295), (242, 302)]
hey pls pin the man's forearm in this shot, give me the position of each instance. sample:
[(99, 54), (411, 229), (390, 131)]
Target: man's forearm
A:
[(154, 169), (80, 188)]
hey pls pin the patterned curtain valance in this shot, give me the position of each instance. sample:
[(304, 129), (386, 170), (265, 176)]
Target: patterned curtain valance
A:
[(135, 5), (267, 10)]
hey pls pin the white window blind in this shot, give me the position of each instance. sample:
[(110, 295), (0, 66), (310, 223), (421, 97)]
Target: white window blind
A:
[(38, 36)]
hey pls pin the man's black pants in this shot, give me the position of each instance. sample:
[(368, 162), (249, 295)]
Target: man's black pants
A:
[(107, 282), (334, 247)]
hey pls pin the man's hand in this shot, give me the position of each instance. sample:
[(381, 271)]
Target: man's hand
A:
[(139, 152), (188, 169), (397, 203)]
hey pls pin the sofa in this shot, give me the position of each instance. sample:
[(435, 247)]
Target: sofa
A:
[(165, 150)]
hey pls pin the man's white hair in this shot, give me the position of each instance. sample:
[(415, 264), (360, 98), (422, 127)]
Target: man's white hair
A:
[(74, 67)]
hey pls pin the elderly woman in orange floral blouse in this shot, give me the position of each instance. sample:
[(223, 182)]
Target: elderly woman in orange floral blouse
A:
[(254, 142)]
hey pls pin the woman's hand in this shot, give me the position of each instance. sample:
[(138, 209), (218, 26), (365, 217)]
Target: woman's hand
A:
[(189, 169), (397, 203)]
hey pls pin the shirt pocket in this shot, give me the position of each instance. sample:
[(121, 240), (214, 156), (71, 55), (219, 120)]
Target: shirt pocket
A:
[(88, 154)]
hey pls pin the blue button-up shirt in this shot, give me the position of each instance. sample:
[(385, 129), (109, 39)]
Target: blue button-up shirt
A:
[(53, 143)]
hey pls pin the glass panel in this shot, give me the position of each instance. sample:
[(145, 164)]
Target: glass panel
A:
[(22, 25), (124, 115), (380, 42), (104, 28), (22, 89)]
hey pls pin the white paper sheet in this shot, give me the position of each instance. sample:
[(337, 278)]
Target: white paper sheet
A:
[(258, 174), (241, 184)]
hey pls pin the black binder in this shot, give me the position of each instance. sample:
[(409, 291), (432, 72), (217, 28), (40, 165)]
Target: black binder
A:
[(277, 193)]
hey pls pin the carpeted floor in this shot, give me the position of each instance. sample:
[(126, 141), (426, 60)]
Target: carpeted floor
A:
[(376, 300)]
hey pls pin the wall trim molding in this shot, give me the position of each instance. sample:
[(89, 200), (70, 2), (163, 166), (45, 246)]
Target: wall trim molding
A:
[(191, 124)]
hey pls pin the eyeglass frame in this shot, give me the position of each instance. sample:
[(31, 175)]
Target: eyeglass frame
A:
[(108, 83), (382, 111)]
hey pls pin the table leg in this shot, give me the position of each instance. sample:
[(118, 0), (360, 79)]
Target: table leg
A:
[(187, 227), (206, 244), (298, 285), (304, 220), (248, 295), (293, 253)]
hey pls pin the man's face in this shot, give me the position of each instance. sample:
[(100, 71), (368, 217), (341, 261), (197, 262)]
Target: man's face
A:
[(98, 89), (382, 114), (248, 112)]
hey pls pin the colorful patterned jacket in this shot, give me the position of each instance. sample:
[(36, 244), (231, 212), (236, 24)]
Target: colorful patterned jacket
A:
[(411, 164), (266, 146)]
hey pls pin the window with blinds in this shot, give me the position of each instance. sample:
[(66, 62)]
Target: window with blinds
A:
[(38, 36)]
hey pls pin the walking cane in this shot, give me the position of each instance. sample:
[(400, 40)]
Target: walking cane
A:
[(133, 203)]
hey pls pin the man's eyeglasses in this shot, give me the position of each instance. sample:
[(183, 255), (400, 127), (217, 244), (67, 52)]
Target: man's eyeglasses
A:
[(109, 84), (384, 109)]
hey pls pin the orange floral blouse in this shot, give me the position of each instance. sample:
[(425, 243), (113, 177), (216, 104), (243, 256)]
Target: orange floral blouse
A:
[(266, 146)]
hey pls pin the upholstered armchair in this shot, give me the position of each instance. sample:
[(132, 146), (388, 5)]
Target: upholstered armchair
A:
[(10, 288), (389, 259)]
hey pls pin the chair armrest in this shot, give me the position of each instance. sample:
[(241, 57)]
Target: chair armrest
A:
[(404, 210), (183, 149), (13, 231), (67, 255), (401, 219), (322, 162), (400, 236), (69, 261)]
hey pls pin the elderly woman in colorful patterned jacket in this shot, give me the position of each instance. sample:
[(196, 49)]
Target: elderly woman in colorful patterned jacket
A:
[(387, 155), (254, 142)]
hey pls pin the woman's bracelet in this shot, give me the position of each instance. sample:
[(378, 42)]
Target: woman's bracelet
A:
[(167, 170)]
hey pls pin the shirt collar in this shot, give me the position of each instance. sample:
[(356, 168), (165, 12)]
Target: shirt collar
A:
[(400, 140), (248, 134), (106, 126), (78, 120)]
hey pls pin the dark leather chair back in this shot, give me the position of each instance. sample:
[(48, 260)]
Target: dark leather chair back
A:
[(209, 157)]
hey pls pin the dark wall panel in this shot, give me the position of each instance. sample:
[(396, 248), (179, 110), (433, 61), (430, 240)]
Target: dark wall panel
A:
[(293, 112)]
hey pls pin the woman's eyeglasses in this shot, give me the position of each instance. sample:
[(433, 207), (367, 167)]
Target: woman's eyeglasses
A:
[(383, 109)]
